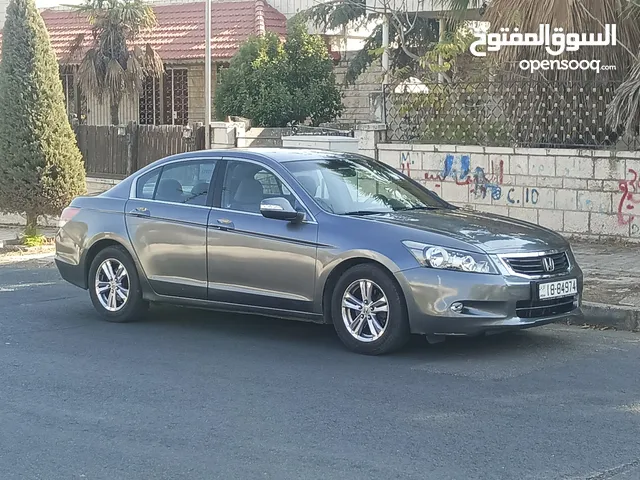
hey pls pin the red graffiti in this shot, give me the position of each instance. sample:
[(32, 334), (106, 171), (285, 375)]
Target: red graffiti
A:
[(406, 169), (629, 199)]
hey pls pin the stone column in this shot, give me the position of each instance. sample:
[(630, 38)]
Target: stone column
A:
[(369, 135), (223, 135)]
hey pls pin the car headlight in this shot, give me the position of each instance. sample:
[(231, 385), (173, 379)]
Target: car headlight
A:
[(443, 258)]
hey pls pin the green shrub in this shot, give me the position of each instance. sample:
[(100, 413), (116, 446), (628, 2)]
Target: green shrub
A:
[(34, 240), (275, 83)]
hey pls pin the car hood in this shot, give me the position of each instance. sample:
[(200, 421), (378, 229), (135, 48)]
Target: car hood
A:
[(491, 233)]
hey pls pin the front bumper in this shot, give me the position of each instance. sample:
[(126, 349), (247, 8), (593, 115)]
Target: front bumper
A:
[(492, 303)]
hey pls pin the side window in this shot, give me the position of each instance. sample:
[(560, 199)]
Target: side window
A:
[(187, 182), (146, 185), (247, 184), (270, 184)]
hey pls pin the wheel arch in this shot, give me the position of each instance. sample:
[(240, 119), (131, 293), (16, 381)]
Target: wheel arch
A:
[(339, 269), (99, 245)]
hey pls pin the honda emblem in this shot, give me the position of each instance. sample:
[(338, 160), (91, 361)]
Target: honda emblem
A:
[(548, 264)]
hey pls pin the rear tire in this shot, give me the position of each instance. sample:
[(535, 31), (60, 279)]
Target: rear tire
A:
[(114, 286), (369, 312)]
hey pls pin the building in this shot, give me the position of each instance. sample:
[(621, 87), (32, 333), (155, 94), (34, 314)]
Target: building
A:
[(3, 11), (178, 97)]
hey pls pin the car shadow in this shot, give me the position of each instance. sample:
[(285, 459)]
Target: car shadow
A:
[(296, 334)]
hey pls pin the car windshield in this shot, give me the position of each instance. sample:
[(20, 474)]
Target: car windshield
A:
[(358, 186)]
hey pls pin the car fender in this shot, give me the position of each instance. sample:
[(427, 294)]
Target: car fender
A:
[(329, 266)]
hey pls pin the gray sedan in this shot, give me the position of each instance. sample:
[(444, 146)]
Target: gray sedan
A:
[(317, 236)]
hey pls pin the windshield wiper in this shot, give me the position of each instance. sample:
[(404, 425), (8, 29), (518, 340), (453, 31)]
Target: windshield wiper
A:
[(417, 208), (364, 212)]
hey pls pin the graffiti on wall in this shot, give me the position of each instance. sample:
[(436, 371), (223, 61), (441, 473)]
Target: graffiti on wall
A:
[(630, 188), (530, 196), (405, 163), (480, 183)]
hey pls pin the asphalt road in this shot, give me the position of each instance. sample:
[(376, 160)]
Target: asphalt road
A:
[(198, 395)]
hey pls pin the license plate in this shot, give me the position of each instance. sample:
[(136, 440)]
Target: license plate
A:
[(562, 288)]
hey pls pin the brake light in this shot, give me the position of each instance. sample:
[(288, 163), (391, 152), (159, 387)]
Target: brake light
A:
[(66, 215)]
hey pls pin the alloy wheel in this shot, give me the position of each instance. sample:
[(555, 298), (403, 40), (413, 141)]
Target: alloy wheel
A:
[(365, 310), (112, 285)]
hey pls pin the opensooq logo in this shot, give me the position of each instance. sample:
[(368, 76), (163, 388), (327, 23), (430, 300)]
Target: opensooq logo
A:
[(555, 43)]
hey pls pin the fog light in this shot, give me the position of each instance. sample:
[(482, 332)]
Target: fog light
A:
[(457, 307)]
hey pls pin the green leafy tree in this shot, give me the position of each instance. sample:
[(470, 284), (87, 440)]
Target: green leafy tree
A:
[(113, 66), (277, 83), (41, 168)]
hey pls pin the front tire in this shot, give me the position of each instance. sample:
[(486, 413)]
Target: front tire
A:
[(114, 286), (369, 312)]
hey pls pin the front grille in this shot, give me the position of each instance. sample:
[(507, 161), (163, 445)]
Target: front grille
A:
[(544, 308), (535, 265)]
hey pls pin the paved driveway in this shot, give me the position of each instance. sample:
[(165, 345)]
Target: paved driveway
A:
[(198, 395)]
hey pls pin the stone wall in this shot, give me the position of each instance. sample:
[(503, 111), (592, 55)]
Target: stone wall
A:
[(587, 193), (356, 97)]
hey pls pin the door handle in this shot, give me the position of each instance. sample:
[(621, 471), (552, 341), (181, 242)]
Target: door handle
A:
[(140, 212), (225, 224)]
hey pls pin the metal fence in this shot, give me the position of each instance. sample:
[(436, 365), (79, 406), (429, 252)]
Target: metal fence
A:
[(518, 113)]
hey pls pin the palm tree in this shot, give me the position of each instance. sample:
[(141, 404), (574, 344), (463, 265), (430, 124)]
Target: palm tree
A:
[(625, 108), (117, 63), (580, 16)]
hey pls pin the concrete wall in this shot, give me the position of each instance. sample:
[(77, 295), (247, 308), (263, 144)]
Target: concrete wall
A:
[(196, 92), (321, 142), (356, 97), (589, 193)]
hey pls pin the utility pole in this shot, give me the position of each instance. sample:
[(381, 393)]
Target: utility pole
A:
[(207, 76), (385, 46)]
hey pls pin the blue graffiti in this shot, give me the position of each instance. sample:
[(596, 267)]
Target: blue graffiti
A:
[(460, 172), (450, 171), (482, 185)]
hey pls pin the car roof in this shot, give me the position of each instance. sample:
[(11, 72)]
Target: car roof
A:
[(280, 154)]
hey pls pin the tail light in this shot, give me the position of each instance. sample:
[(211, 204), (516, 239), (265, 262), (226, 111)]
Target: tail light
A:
[(66, 215)]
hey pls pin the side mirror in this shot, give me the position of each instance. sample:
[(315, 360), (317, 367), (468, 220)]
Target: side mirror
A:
[(279, 208)]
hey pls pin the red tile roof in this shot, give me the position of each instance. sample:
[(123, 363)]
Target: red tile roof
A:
[(179, 33)]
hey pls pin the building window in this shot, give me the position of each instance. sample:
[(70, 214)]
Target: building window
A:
[(166, 100), (74, 102), (150, 102), (176, 97)]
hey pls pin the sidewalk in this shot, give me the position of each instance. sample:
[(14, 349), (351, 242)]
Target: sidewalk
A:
[(611, 280), (611, 284)]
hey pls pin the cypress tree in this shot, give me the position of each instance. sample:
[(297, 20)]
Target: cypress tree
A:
[(41, 167)]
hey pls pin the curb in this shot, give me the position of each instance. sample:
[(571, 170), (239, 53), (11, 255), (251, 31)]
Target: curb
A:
[(610, 316)]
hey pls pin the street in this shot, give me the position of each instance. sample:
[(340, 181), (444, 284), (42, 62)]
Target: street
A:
[(200, 395)]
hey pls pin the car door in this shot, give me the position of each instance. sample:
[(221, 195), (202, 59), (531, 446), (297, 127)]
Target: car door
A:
[(167, 225), (255, 260)]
